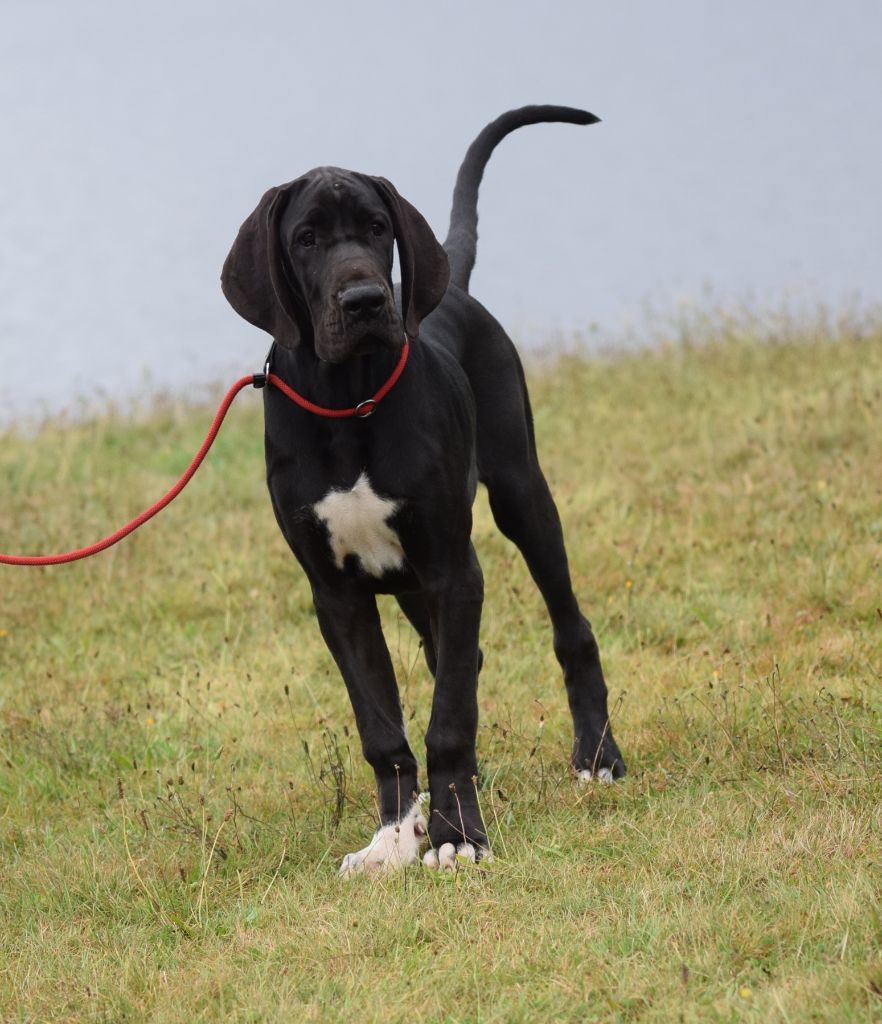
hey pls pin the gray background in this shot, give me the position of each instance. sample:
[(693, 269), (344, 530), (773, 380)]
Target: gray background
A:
[(739, 161)]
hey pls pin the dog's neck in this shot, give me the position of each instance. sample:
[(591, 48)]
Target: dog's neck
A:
[(335, 385)]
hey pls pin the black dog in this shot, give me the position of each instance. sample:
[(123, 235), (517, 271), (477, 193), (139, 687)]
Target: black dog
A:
[(383, 504)]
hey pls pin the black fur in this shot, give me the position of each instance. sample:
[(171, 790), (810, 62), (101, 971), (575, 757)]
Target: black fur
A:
[(312, 267)]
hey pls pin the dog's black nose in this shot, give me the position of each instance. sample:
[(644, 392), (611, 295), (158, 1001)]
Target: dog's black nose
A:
[(362, 300)]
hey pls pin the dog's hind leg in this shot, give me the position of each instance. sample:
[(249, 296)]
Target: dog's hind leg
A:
[(350, 625), (525, 512), (416, 609)]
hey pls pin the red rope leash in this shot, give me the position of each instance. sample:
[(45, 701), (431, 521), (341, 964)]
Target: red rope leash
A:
[(101, 545), (361, 410)]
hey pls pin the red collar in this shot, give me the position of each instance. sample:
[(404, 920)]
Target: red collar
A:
[(362, 410)]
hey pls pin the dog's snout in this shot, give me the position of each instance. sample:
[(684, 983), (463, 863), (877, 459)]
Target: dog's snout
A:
[(362, 300)]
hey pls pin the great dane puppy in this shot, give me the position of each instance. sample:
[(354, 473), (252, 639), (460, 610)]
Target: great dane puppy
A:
[(381, 503)]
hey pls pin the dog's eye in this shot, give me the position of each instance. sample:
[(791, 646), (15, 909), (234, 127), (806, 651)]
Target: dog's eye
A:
[(378, 227), (306, 238)]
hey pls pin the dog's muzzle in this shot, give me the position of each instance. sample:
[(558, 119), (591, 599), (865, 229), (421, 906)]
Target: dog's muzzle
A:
[(362, 301)]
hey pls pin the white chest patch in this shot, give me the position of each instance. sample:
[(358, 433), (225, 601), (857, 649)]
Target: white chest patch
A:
[(357, 523)]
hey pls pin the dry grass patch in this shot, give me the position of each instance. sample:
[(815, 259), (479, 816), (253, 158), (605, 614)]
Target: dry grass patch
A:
[(179, 774)]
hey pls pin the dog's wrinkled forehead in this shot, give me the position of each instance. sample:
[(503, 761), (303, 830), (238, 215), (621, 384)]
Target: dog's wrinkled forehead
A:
[(331, 193), (331, 182)]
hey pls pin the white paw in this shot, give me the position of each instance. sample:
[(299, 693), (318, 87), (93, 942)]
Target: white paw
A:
[(604, 775), (393, 846), (451, 858)]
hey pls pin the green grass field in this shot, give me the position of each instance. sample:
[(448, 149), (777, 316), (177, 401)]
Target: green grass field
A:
[(179, 773)]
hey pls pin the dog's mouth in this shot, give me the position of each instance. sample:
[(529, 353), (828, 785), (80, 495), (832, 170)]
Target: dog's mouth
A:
[(338, 340), (339, 350)]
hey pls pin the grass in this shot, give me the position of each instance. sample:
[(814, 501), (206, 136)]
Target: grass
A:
[(179, 775)]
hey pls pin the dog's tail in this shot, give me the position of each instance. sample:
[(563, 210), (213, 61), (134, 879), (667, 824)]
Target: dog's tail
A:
[(461, 243)]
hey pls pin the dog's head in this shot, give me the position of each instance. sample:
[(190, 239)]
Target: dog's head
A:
[(312, 265)]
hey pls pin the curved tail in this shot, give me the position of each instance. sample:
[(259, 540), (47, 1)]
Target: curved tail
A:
[(461, 243)]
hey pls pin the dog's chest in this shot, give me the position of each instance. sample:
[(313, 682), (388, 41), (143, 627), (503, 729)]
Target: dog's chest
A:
[(357, 522)]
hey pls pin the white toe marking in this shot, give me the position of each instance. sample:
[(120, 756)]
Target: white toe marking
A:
[(467, 851), (447, 857), (393, 846), (451, 858), (357, 522), (603, 775)]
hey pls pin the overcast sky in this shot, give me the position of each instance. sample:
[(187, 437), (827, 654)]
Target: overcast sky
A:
[(740, 151)]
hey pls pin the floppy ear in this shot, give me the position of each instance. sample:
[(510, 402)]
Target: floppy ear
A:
[(254, 280), (425, 272)]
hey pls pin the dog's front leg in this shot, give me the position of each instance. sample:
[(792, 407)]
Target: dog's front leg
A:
[(456, 826), (350, 624)]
